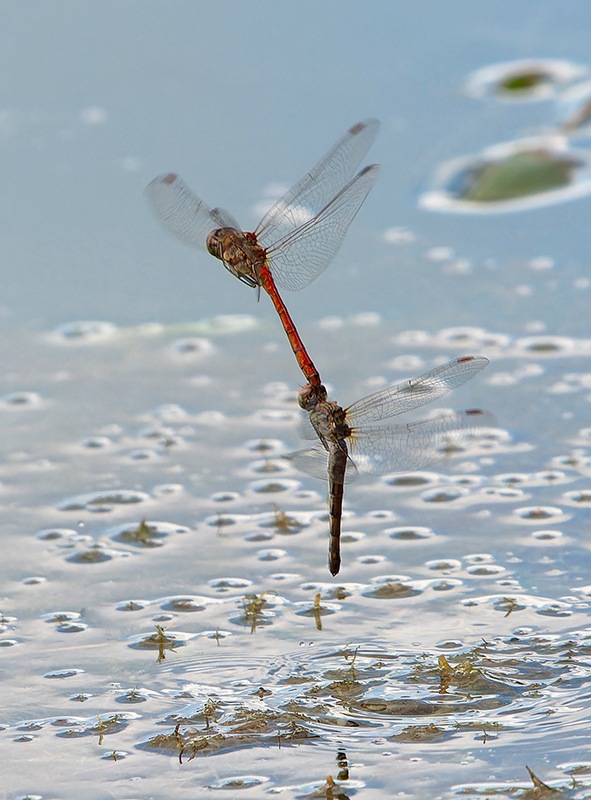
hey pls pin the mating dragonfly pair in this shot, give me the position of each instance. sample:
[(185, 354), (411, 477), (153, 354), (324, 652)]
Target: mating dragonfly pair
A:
[(292, 245)]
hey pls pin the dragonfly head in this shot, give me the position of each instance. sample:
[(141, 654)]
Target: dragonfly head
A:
[(233, 250), (310, 395), (215, 243)]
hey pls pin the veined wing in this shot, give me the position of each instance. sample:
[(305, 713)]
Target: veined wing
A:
[(314, 462), (317, 188), (416, 392), (403, 448), (182, 213), (302, 255)]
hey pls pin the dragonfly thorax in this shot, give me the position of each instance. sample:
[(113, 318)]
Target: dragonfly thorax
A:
[(240, 253)]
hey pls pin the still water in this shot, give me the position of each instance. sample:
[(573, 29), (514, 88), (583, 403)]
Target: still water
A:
[(168, 623)]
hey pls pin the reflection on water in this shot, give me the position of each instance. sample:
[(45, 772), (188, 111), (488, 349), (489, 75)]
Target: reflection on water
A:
[(528, 172), (527, 79), (161, 554), (513, 176)]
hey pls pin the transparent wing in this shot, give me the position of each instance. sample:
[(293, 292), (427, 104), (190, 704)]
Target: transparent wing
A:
[(306, 429), (302, 255), (403, 448), (314, 462), (416, 392), (315, 190), (182, 213)]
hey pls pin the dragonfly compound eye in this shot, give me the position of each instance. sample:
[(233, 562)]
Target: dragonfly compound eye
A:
[(213, 243)]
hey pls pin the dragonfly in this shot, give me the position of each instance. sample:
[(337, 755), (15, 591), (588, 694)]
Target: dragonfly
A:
[(295, 240), (351, 443)]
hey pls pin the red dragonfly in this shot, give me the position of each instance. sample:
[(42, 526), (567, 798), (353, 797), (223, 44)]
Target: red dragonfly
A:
[(296, 239), (350, 445)]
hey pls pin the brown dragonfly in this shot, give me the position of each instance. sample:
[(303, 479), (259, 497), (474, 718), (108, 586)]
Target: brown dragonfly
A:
[(350, 444), (296, 239)]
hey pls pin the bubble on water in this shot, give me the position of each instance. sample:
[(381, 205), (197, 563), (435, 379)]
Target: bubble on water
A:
[(513, 478), (479, 558), (160, 640), (191, 348), (274, 486), (147, 533), (580, 497), (485, 570), (349, 537), (224, 520), (7, 622), (555, 609), (444, 494), (450, 644), (548, 536), (446, 585), (259, 536), (96, 554), (502, 494), (285, 522), (132, 605), (404, 480), (144, 454), (83, 332), (96, 442), (529, 80), (51, 534), (239, 782), (371, 559), (56, 617), (535, 513), (382, 514), (62, 674), (410, 532), (392, 587), (21, 401), (471, 337), (307, 494), (444, 564), (225, 497), (115, 755), (225, 584), (184, 603), (512, 603), (546, 345), (168, 490), (271, 554), (103, 501), (71, 627), (265, 446), (269, 465)]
